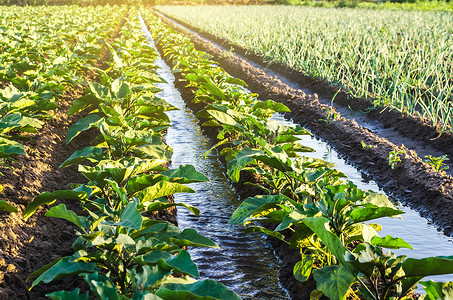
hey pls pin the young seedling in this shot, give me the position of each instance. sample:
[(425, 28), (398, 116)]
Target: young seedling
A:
[(394, 159), (438, 163), (366, 146), (332, 115)]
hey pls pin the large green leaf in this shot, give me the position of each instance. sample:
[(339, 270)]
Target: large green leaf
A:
[(200, 290), (180, 263), (155, 102), (92, 154), (190, 237), (320, 226), (437, 290), (119, 170), (61, 212), (150, 275), (274, 162), (103, 287), (158, 205), (212, 106), (10, 121), (295, 216), (285, 138), (234, 80), (66, 295), (428, 266), (152, 151), (139, 183), (212, 88), (119, 63), (222, 117), (5, 206), (130, 218), (82, 125), (251, 204), (370, 212), (164, 188), (333, 281), (49, 198), (120, 88), (272, 105), (302, 269), (10, 150), (157, 229), (244, 157), (28, 124), (140, 166), (82, 103), (185, 174), (390, 242), (64, 267), (145, 296)]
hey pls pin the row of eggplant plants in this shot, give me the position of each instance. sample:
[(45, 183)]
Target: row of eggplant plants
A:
[(39, 59), (121, 252), (311, 205)]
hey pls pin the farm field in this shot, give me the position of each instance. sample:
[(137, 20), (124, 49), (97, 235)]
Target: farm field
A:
[(397, 58), (105, 120)]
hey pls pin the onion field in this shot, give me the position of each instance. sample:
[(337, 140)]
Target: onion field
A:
[(402, 59)]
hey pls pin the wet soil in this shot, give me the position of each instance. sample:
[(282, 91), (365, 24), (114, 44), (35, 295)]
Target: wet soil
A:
[(411, 181)]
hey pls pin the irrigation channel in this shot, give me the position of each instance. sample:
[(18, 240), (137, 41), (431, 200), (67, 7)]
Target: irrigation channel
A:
[(246, 263)]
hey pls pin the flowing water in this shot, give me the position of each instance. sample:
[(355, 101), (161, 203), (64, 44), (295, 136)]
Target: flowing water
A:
[(246, 263)]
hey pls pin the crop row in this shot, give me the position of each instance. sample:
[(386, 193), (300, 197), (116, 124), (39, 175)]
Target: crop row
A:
[(395, 58), (308, 204), (41, 55), (121, 251)]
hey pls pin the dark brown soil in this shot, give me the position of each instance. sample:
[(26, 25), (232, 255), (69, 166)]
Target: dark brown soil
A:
[(26, 246)]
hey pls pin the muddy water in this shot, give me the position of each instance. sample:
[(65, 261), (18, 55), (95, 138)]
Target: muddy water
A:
[(244, 263)]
